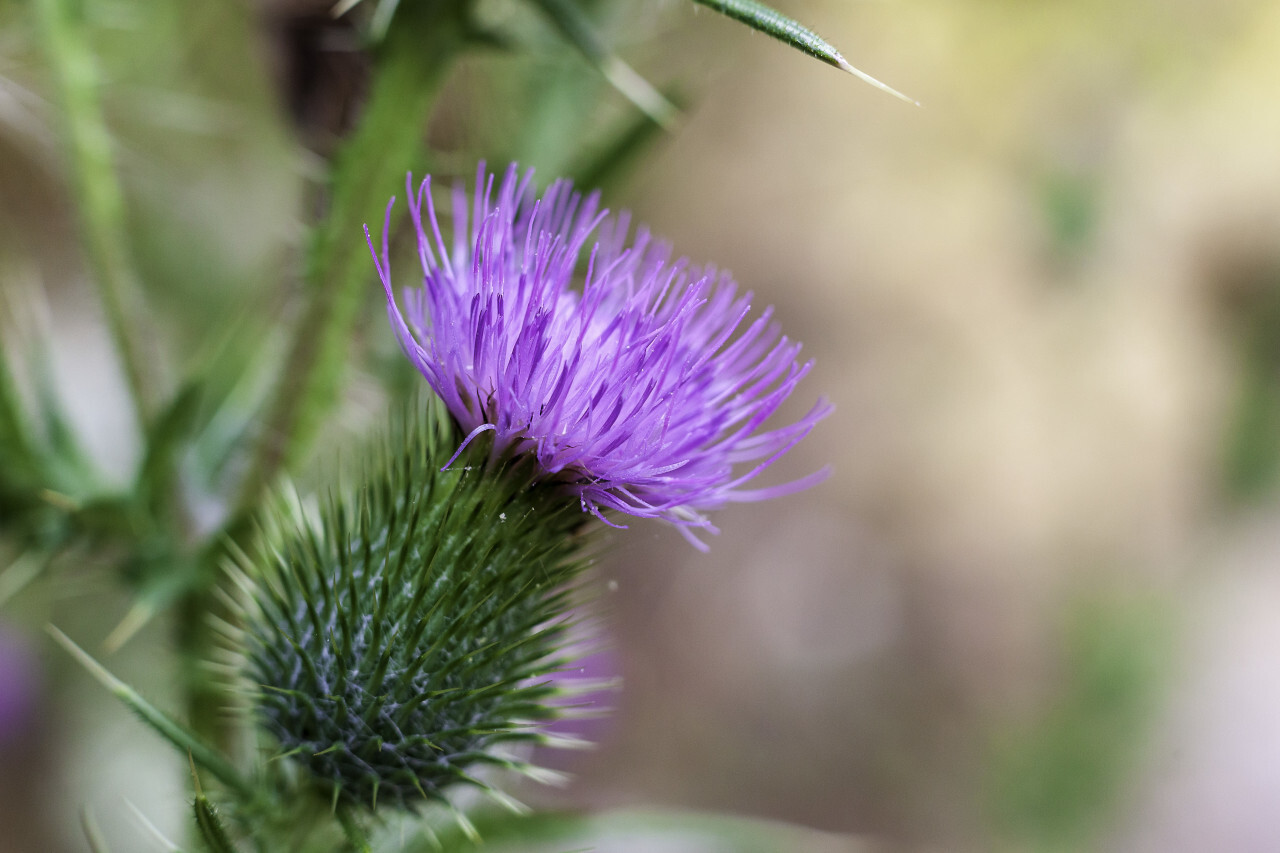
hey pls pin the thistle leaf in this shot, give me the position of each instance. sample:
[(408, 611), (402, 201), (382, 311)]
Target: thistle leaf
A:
[(773, 23), (162, 723), (17, 437), (619, 152), (578, 30), (166, 436), (92, 832), (22, 571), (153, 830), (212, 832)]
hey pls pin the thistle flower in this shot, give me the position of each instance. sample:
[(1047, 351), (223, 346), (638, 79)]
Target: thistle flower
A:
[(640, 391)]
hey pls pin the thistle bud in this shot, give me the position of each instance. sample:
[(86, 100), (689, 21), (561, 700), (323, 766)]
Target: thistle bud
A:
[(400, 636)]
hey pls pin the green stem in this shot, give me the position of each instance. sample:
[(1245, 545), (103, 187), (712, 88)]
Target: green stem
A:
[(17, 443), (417, 55), (415, 60), (101, 202)]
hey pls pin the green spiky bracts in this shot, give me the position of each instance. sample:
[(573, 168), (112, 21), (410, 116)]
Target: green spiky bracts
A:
[(400, 634)]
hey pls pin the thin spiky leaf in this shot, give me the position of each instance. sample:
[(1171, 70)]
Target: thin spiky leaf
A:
[(166, 436), (773, 23), (616, 154), (92, 832), (209, 823), (355, 834), (153, 830), (18, 446), (577, 29), (168, 728), (22, 571)]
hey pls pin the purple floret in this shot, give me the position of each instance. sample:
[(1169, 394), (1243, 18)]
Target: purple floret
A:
[(635, 384)]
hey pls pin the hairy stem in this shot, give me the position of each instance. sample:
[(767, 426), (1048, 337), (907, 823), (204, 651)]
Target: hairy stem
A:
[(415, 59), (100, 201), (418, 52)]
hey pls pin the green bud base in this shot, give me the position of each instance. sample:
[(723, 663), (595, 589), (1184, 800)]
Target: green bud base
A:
[(400, 634)]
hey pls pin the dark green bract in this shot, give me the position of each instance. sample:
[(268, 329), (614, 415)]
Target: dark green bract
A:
[(410, 629)]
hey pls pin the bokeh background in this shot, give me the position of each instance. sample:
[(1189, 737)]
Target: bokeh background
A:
[(1036, 607)]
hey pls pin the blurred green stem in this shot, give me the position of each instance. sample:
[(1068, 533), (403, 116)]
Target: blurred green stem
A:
[(17, 444), (416, 56), (100, 201), (414, 61)]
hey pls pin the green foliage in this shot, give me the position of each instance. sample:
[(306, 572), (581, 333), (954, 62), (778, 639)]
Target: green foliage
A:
[(577, 29), (398, 638), (616, 155), (1251, 458), (1053, 782), (92, 833), (101, 202), (164, 725), (209, 825), (413, 63), (1070, 202)]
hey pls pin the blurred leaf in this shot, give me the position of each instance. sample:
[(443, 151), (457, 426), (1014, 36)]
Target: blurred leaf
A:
[(578, 30), (355, 835), (773, 23), (18, 460), (99, 200), (235, 370), (152, 829), (160, 722), (22, 473), (68, 466), (415, 60), (92, 834), (40, 452), (559, 105), (157, 474), (1251, 463), (1252, 457), (499, 831), (618, 153), (1070, 203), (102, 516), (212, 832), (489, 37), (1053, 783), (22, 571)]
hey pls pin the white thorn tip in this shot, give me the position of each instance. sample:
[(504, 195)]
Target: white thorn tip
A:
[(867, 78)]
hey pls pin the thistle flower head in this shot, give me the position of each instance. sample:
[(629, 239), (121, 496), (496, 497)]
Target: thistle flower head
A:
[(637, 381)]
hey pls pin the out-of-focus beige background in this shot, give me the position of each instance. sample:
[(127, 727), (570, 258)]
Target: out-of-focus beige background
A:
[(1037, 606), (1036, 302)]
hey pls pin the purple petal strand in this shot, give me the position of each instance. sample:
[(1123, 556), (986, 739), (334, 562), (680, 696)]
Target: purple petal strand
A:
[(633, 383)]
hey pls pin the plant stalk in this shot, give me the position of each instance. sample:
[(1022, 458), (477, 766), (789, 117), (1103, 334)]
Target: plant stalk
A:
[(414, 61), (97, 188), (418, 52)]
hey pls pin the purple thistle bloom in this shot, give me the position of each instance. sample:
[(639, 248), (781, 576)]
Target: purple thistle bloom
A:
[(19, 687), (637, 388)]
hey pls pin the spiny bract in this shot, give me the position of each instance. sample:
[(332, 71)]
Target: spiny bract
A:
[(399, 637)]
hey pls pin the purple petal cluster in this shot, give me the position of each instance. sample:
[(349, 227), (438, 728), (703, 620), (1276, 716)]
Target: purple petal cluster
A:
[(636, 380)]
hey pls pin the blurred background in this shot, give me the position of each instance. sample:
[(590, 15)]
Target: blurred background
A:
[(1037, 607)]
